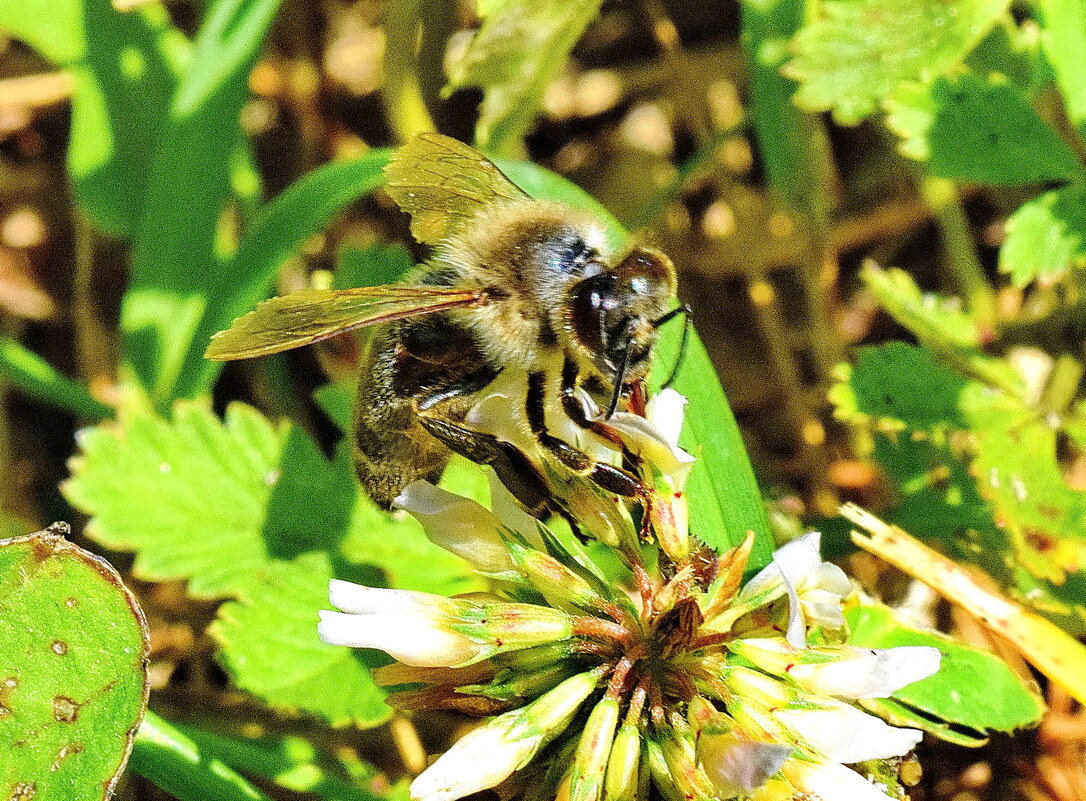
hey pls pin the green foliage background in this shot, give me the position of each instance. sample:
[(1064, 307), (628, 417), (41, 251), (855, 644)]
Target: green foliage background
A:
[(219, 152)]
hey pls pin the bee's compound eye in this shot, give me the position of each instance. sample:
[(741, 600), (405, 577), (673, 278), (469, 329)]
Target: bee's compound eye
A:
[(593, 301)]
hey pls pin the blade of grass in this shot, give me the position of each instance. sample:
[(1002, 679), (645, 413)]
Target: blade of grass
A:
[(30, 373), (175, 762), (176, 274)]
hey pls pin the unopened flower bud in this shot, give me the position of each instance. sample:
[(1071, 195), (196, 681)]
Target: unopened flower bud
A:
[(681, 757), (559, 585), (621, 783), (498, 627), (490, 754), (593, 750)]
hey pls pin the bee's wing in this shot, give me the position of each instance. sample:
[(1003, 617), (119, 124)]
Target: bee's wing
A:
[(302, 318), (442, 183)]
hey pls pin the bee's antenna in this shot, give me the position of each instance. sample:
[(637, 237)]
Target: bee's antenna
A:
[(688, 312)]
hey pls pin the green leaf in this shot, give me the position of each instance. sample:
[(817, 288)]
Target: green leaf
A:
[(940, 324), (723, 495), (280, 228), (177, 271), (902, 384), (376, 265), (519, 49), (241, 508), (124, 67), (73, 670), (1064, 39), (1017, 470), (270, 647), (189, 495), (294, 763), (30, 373), (978, 129), (1046, 236), (856, 52), (169, 757), (793, 143), (973, 688)]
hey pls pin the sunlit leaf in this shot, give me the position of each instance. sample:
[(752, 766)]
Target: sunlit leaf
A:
[(978, 129), (171, 759), (1064, 38), (270, 647), (177, 270), (973, 688), (856, 51), (519, 49), (1046, 236), (29, 372), (901, 384), (124, 68), (73, 670)]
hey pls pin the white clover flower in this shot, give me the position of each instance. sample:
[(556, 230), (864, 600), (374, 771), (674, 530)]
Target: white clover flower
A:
[(457, 524), (681, 679)]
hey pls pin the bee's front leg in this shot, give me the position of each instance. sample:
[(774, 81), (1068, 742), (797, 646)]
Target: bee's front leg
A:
[(608, 477)]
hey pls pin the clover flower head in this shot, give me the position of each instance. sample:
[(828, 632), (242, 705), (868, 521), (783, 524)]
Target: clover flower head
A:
[(597, 678)]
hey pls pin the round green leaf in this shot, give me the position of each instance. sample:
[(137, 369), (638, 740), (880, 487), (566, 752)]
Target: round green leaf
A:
[(73, 670)]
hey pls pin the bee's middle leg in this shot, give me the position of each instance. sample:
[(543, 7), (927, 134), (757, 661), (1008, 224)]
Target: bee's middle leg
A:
[(512, 467), (608, 477)]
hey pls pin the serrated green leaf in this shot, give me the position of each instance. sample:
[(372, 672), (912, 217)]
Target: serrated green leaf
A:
[(978, 129), (973, 688), (902, 384), (853, 55), (1064, 38), (1017, 470), (519, 49), (73, 670), (189, 495), (940, 324), (269, 646), (1046, 236), (124, 67)]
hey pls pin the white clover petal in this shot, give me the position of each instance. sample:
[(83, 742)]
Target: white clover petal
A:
[(457, 524), (477, 761), (814, 588), (665, 411), (842, 671), (830, 782), (869, 672), (360, 600), (410, 637), (735, 767), (644, 440), (843, 733), (512, 514)]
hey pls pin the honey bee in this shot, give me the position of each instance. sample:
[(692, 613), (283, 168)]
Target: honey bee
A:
[(515, 284)]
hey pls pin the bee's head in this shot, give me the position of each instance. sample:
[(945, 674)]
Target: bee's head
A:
[(616, 310)]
